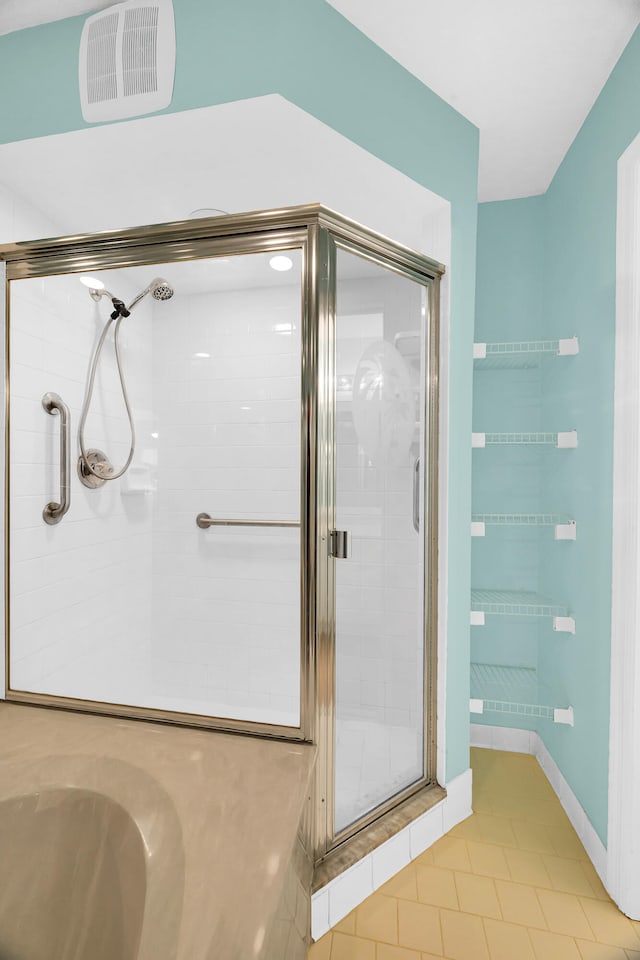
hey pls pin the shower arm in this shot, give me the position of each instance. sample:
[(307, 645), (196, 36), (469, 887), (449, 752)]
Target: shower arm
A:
[(120, 310)]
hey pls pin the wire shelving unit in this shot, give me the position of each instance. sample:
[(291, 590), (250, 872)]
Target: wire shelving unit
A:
[(565, 526), (519, 603), (564, 439), (521, 354), (514, 691)]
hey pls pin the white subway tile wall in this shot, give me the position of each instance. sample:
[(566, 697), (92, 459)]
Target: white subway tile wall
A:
[(127, 600), (80, 613), (226, 621)]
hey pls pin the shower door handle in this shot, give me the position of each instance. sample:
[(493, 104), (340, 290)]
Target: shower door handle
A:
[(54, 512), (340, 544), (416, 495)]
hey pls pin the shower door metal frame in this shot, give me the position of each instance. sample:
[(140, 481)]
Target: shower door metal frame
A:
[(335, 851), (235, 235), (318, 232)]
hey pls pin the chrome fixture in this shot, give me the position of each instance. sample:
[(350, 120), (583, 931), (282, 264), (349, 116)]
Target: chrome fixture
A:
[(54, 512), (101, 469), (340, 544), (159, 289), (416, 495), (96, 293), (94, 467), (204, 521)]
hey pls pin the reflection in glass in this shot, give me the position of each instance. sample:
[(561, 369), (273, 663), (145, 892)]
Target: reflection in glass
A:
[(380, 435)]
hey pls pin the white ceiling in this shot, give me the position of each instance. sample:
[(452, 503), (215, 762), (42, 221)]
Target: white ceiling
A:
[(526, 73)]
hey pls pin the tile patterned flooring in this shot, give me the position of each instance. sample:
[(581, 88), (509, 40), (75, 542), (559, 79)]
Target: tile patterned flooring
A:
[(512, 882)]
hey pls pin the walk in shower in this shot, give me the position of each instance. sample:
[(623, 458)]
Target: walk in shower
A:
[(221, 489)]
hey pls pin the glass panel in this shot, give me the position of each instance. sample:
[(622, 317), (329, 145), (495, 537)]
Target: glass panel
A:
[(380, 433), (126, 600)]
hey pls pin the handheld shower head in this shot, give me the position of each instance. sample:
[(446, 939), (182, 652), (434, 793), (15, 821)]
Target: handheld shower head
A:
[(160, 289)]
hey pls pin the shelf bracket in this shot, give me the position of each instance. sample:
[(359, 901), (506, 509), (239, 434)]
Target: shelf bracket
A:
[(565, 531), (479, 351), (477, 528), (564, 624), (476, 706), (563, 716), (477, 618), (568, 348), (478, 440), (567, 440)]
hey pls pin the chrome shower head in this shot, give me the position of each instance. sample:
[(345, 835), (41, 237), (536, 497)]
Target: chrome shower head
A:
[(160, 289)]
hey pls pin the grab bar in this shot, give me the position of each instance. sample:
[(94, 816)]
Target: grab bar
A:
[(54, 512), (416, 495), (203, 520)]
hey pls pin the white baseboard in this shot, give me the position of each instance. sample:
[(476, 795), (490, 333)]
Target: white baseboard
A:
[(527, 741), (503, 738), (345, 892)]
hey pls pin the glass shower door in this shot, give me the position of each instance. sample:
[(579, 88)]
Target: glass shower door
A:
[(380, 428)]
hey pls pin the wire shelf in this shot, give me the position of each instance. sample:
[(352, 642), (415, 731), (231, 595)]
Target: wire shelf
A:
[(514, 691), (545, 439), (519, 709), (516, 603), (521, 519), (520, 354), (563, 439), (518, 347)]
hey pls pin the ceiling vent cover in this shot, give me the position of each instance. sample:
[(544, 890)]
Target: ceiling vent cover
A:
[(127, 60)]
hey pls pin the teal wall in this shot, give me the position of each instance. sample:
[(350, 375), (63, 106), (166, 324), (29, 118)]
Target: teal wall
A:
[(580, 278), (571, 277), (235, 49)]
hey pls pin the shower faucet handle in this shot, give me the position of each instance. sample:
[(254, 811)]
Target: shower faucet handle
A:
[(340, 544)]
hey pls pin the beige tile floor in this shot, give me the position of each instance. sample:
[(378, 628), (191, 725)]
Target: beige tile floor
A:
[(512, 882)]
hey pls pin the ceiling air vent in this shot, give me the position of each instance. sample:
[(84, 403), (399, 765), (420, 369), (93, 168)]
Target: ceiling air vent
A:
[(127, 60)]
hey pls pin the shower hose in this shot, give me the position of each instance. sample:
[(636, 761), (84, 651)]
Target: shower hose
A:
[(112, 475)]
